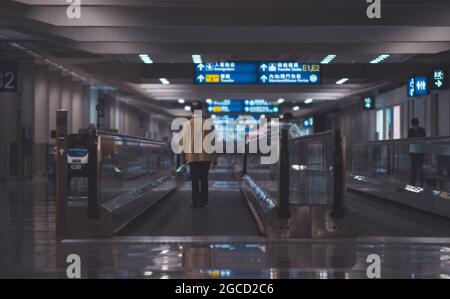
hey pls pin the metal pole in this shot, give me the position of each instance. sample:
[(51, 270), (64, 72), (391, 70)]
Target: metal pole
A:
[(61, 175), (93, 175), (283, 203), (244, 165), (338, 177)]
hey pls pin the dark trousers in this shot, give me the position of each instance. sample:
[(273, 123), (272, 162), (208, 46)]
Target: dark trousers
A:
[(416, 166), (199, 177)]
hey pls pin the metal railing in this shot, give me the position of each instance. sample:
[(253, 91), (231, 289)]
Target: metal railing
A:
[(123, 165), (422, 163), (310, 171), (125, 175)]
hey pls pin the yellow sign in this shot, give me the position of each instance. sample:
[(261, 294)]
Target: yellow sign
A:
[(212, 78)]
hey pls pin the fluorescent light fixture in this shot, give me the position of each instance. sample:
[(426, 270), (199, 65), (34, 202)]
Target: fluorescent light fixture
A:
[(309, 101), (145, 58), (380, 58), (296, 108), (187, 108), (164, 81), (280, 101), (181, 101), (197, 58), (342, 81), (328, 59)]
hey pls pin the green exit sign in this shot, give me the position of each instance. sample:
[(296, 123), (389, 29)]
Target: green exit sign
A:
[(368, 103), (439, 79)]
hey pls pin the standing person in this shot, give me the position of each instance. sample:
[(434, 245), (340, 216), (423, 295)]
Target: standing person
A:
[(294, 130), (416, 152), (199, 162)]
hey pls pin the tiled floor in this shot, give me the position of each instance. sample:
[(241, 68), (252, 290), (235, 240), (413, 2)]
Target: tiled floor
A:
[(28, 249)]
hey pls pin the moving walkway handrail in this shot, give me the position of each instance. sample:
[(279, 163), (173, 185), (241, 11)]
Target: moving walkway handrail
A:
[(130, 137), (404, 140), (94, 148), (337, 163)]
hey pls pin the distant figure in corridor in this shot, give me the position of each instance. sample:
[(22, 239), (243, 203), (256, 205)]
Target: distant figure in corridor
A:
[(199, 163), (294, 130), (416, 152)]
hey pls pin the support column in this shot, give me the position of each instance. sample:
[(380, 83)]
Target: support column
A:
[(76, 106), (54, 99), (8, 134), (41, 121), (26, 117), (66, 100), (85, 105), (434, 115)]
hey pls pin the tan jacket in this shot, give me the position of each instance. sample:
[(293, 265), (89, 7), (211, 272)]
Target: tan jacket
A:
[(192, 156)]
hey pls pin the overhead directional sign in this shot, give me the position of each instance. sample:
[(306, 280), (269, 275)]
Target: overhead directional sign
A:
[(274, 72), (439, 79), (421, 88), (225, 73), (411, 87), (417, 86), (242, 106), (368, 103), (265, 72)]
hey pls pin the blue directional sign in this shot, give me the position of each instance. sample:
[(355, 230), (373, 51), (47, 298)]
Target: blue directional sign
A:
[(308, 123), (252, 106), (421, 88), (439, 79), (417, 86), (260, 106), (274, 72), (225, 73), (411, 87)]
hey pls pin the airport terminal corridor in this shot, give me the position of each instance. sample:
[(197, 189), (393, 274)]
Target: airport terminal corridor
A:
[(320, 129), (226, 215)]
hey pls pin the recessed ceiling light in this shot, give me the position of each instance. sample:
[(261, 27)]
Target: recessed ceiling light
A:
[(164, 81), (296, 108), (181, 101), (380, 58), (197, 58), (187, 108), (145, 58), (342, 81), (328, 59), (309, 101), (280, 101)]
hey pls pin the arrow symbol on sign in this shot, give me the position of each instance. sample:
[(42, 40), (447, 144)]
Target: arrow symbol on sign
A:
[(200, 66), (264, 78), (439, 83), (201, 78), (263, 67)]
